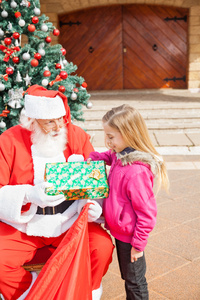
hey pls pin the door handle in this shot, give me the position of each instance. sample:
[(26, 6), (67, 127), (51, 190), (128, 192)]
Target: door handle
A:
[(155, 47), (91, 49)]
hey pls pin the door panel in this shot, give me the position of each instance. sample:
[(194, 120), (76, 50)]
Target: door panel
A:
[(95, 46), (160, 49), (140, 48), (169, 41)]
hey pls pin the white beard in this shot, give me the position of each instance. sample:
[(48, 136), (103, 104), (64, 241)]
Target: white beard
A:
[(49, 144)]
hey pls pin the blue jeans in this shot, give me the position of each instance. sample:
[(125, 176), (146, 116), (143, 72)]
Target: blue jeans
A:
[(133, 273)]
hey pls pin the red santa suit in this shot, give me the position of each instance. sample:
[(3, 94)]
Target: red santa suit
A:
[(22, 229)]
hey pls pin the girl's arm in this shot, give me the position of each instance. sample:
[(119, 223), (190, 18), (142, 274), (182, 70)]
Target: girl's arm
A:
[(140, 191), (106, 156)]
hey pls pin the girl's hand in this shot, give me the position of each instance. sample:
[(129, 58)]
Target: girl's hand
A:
[(89, 160), (135, 254)]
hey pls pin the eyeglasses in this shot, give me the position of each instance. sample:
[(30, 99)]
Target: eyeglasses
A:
[(51, 124)]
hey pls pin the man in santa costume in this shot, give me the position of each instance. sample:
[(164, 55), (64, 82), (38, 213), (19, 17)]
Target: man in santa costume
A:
[(30, 219)]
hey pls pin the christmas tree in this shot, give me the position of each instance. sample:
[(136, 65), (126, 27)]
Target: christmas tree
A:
[(34, 61)]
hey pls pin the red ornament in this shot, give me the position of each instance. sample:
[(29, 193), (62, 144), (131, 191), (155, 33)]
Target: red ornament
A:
[(31, 28), (84, 84), (63, 51), (58, 66), (7, 41), (63, 74), (9, 71), (48, 39), (35, 20), (75, 90), (37, 56), (5, 111), (29, 4), (61, 89), (34, 62), (15, 60), (17, 14), (47, 73), (3, 115), (56, 32), (16, 35)]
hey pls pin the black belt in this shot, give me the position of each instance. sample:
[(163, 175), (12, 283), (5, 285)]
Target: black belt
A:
[(48, 210)]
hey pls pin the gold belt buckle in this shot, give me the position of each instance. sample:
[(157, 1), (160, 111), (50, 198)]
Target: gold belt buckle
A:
[(53, 210)]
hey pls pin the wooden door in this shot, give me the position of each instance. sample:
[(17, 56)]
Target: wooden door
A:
[(155, 47), (93, 41), (128, 46)]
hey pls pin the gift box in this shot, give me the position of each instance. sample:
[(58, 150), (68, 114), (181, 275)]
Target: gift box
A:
[(77, 180)]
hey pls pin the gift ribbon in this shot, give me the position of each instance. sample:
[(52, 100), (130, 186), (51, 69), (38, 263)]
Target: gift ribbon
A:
[(8, 52), (58, 78)]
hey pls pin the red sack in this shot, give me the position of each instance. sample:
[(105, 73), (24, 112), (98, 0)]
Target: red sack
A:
[(67, 273)]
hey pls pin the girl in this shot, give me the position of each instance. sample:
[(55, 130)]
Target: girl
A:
[(130, 210)]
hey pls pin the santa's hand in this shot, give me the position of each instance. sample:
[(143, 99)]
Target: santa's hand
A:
[(94, 211), (36, 194)]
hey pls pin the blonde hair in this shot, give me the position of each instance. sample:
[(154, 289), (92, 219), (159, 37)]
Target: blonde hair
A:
[(131, 125)]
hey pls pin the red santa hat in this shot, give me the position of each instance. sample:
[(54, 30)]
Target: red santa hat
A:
[(41, 103)]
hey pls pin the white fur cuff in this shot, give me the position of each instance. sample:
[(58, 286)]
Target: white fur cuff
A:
[(11, 202)]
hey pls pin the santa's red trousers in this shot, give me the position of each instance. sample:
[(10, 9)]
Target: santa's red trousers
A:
[(16, 249)]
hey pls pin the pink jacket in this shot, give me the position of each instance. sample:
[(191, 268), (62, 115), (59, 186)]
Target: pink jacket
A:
[(130, 209)]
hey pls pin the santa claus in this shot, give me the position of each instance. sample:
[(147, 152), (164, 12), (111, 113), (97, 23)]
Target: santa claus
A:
[(30, 219)]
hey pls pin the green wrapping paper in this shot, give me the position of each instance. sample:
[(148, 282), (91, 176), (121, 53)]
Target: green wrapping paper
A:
[(77, 180)]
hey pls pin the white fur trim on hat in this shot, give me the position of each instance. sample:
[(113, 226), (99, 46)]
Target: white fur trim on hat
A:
[(38, 107)]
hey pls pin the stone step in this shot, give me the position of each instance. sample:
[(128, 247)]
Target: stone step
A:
[(172, 117), (159, 115), (156, 124), (107, 105), (191, 114), (159, 138)]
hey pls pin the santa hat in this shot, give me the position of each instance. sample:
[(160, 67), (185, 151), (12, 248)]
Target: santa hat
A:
[(41, 103)]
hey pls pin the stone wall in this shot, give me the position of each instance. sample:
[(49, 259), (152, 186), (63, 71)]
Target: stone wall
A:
[(53, 8)]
